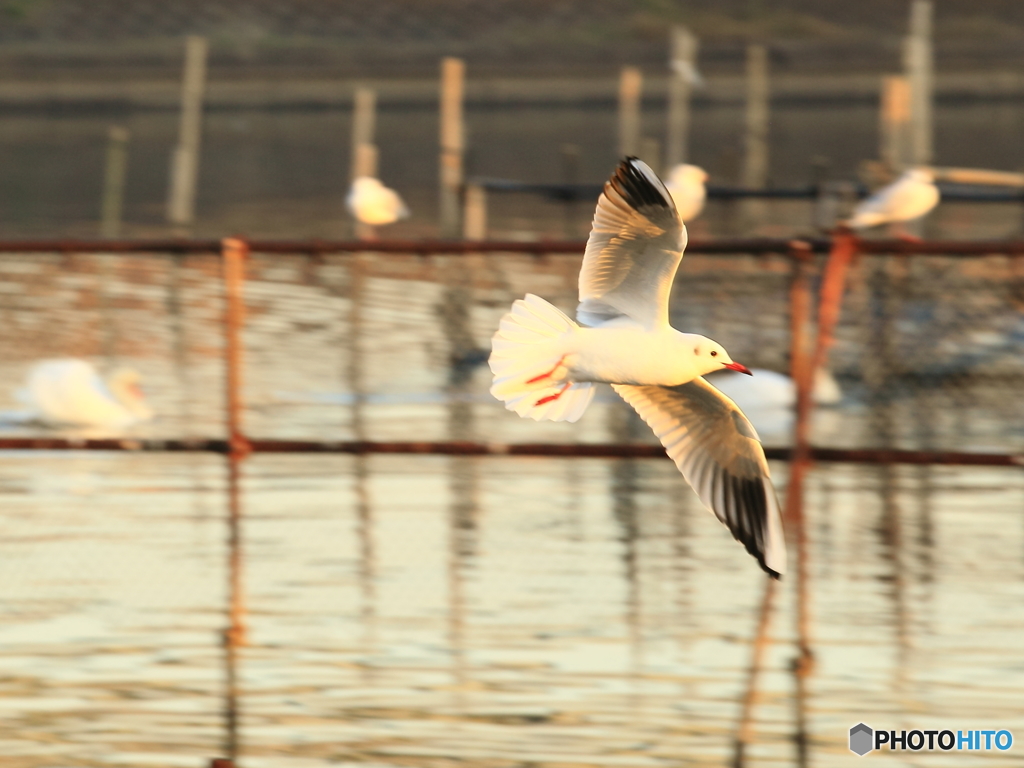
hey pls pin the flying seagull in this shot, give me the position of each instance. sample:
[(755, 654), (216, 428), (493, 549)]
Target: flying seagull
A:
[(545, 365)]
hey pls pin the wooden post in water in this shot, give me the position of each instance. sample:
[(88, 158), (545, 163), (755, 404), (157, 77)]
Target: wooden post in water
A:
[(918, 63), (113, 182), (894, 124), (802, 372), (474, 218), (181, 200), (234, 254), (682, 78), (650, 153), (364, 151), (570, 175), (364, 120), (755, 163), (630, 88), (364, 163), (452, 144)]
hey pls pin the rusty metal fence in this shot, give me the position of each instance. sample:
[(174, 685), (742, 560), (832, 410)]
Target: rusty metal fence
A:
[(380, 347)]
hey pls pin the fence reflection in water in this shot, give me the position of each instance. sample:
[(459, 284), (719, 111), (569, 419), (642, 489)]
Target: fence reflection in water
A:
[(404, 571)]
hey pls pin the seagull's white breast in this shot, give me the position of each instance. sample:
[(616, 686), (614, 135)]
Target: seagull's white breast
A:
[(630, 355)]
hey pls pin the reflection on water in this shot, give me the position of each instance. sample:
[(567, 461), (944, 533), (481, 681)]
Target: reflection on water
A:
[(416, 610), (928, 353), (550, 611)]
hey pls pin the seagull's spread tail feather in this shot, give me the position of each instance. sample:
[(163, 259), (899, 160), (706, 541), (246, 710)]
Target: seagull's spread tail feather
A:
[(526, 360)]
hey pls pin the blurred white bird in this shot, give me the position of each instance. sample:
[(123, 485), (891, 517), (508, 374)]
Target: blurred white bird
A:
[(686, 185), (370, 202), (688, 72), (911, 196), (768, 399), (776, 390), (71, 392)]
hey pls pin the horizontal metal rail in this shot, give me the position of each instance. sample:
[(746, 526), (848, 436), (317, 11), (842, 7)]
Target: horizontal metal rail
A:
[(463, 448), (960, 193), (715, 246)]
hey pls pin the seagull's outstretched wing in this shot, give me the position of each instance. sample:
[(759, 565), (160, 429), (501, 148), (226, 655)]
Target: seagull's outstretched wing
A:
[(635, 246), (719, 454)]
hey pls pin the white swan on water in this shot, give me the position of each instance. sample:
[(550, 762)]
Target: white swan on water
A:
[(71, 392)]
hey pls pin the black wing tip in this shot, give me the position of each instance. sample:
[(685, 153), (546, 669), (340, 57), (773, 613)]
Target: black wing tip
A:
[(633, 181), (754, 538)]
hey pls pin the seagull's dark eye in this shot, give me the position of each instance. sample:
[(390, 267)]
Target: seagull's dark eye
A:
[(714, 354)]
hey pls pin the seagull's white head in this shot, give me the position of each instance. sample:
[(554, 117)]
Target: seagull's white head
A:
[(710, 356)]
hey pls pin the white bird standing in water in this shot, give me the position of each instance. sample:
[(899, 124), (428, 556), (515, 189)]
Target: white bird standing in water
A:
[(545, 365), (71, 392), (686, 185), (370, 202), (910, 197)]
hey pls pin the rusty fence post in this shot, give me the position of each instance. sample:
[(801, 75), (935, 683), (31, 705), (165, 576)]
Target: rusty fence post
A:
[(802, 364), (802, 257), (805, 362), (234, 253)]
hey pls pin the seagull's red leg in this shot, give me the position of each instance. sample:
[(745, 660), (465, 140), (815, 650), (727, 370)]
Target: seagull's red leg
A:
[(552, 398), (547, 375)]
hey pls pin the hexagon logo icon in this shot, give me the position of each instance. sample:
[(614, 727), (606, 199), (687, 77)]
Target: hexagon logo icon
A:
[(862, 739)]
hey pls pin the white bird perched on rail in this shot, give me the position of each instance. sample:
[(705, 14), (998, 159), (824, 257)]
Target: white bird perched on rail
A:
[(370, 202), (910, 197), (686, 185), (70, 392), (545, 365)]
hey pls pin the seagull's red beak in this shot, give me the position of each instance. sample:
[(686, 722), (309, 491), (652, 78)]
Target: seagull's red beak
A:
[(739, 367)]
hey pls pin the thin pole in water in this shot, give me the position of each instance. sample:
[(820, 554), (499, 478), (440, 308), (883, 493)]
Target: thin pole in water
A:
[(113, 182), (682, 78), (181, 200), (234, 255), (364, 151), (894, 124), (918, 62), (802, 372), (452, 140), (755, 162), (474, 219), (630, 88)]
